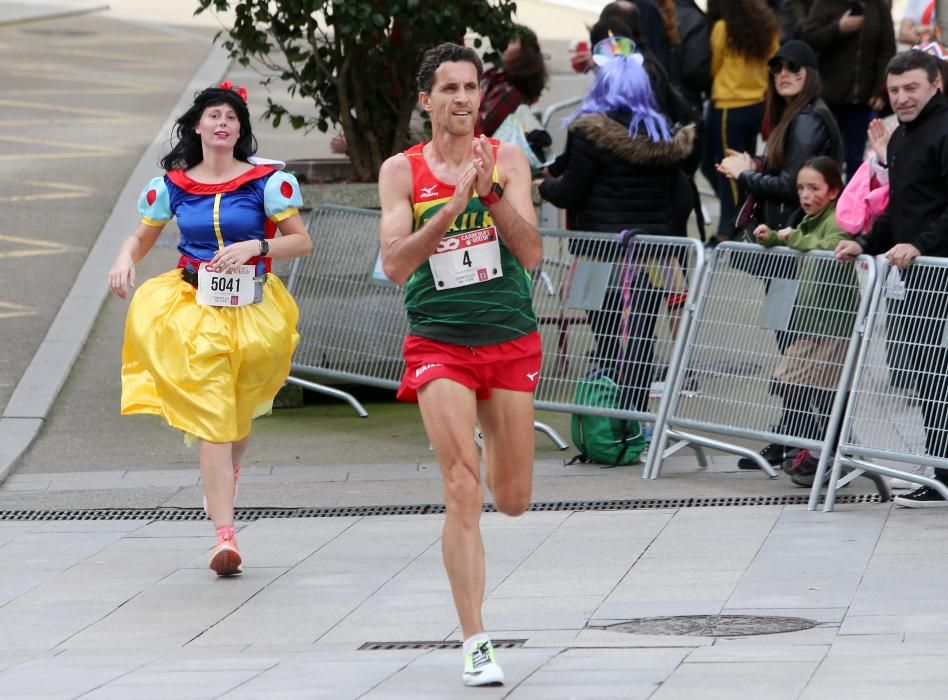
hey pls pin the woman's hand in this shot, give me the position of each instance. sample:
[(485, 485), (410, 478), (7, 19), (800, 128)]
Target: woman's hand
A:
[(228, 259), (122, 275), (734, 164), (784, 233), (762, 231)]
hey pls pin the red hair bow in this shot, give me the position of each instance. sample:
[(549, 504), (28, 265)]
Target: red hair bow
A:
[(228, 85)]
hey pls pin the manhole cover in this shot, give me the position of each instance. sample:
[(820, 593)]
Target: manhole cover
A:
[(711, 625)]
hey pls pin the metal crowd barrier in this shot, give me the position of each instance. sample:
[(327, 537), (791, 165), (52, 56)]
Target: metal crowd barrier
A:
[(905, 348), (622, 310), (352, 322), (598, 305), (769, 354)]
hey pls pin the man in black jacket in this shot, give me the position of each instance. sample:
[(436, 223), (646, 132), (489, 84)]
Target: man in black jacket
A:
[(854, 42), (916, 223)]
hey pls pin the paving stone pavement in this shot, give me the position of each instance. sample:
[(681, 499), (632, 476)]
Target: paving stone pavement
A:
[(128, 609)]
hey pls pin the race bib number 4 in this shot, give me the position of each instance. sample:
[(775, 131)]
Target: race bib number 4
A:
[(220, 289), (471, 257)]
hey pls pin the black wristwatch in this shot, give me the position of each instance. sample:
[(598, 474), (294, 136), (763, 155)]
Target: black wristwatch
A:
[(492, 197), (264, 247)]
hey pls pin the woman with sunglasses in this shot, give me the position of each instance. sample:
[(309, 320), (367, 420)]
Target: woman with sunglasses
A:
[(799, 127)]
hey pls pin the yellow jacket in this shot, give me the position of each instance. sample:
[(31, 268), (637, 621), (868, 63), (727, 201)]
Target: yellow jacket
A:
[(736, 82)]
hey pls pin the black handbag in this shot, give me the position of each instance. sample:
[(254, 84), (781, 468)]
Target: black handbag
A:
[(748, 217), (750, 214)]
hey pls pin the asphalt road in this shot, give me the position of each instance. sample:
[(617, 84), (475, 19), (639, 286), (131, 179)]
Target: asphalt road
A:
[(81, 98)]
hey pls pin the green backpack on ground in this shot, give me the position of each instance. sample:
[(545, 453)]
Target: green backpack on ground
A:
[(608, 441)]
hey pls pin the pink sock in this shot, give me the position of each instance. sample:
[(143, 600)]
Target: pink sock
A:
[(226, 532)]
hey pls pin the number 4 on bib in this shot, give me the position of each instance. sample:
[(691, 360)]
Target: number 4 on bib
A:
[(470, 257)]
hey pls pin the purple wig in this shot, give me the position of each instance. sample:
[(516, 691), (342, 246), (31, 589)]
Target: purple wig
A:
[(622, 85)]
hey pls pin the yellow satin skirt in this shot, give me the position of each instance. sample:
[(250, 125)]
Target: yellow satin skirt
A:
[(208, 371)]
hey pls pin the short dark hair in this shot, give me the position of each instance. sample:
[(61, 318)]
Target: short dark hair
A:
[(911, 60), (445, 53)]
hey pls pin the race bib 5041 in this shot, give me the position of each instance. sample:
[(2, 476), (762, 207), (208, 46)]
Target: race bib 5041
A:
[(220, 289)]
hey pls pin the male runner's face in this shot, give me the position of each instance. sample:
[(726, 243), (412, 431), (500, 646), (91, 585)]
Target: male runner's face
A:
[(455, 97)]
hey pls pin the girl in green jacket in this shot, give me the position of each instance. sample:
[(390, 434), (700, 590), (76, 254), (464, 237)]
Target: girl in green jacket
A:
[(824, 313)]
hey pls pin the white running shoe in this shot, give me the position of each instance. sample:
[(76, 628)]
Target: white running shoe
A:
[(480, 667)]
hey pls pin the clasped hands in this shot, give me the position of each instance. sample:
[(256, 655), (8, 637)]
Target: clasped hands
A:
[(734, 163), (477, 178)]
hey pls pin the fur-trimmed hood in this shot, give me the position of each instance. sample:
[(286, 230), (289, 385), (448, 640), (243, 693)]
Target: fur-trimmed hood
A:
[(613, 136)]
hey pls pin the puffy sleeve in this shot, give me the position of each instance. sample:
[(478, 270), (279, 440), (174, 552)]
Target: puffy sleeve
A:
[(154, 204), (281, 197)]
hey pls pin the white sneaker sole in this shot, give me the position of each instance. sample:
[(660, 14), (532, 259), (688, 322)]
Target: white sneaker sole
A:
[(492, 674), (906, 503)]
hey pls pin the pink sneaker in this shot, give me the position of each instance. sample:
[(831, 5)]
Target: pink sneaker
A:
[(236, 483), (225, 559)]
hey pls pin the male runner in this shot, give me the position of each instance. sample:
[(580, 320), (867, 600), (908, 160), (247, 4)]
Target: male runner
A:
[(459, 232)]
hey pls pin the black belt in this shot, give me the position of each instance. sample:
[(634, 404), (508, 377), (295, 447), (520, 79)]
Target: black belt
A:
[(190, 276)]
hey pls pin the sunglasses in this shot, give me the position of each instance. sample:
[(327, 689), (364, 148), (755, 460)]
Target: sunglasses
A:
[(778, 66)]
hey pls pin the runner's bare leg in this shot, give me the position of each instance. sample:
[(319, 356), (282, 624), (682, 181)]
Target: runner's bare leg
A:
[(240, 449), (217, 477), (506, 421), (448, 410)]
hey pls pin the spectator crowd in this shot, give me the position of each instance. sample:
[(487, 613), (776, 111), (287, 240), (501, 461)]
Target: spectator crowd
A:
[(812, 130)]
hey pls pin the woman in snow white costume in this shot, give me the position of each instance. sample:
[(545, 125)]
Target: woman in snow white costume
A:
[(208, 345)]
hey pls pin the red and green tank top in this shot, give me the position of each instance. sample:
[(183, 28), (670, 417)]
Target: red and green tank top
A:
[(473, 290)]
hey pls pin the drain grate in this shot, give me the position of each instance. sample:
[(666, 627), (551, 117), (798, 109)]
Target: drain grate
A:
[(711, 625), (450, 644), (252, 514)]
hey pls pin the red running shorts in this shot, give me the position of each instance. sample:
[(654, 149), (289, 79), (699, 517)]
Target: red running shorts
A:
[(513, 365)]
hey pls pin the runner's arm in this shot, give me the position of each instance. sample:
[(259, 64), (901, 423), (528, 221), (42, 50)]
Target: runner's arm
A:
[(514, 215), (404, 251), (135, 247)]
